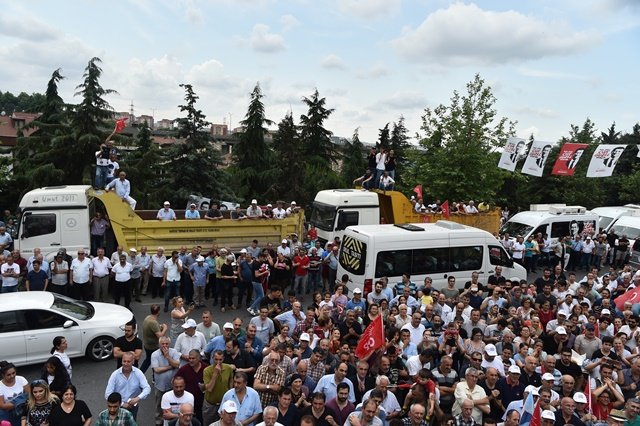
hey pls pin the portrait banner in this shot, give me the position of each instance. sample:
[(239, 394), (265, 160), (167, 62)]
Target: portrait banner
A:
[(604, 160), (510, 153), (568, 158), (537, 157)]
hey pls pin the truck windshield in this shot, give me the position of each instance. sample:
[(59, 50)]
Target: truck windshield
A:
[(323, 216), (515, 228)]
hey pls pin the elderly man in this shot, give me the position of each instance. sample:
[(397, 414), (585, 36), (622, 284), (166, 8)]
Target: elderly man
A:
[(189, 340), (465, 418), (269, 379), (165, 361), (389, 401), (270, 417), (130, 383), (244, 398), (122, 189), (186, 417), (366, 417), (417, 412), (567, 414), (469, 390)]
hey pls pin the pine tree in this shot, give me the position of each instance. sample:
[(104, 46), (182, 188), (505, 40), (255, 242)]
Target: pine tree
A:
[(354, 162), (143, 166), (318, 148), (289, 161), (384, 140), (252, 157), (193, 163), (399, 143)]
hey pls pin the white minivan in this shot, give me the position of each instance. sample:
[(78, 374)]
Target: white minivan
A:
[(609, 215), (435, 250), (630, 226)]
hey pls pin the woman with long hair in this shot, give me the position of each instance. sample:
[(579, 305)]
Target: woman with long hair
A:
[(41, 402), (178, 317), (56, 376), (70, 411), (13, 393), (59, 350), (372, 313)]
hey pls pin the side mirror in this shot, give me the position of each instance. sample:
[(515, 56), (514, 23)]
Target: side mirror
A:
[(68, 324)]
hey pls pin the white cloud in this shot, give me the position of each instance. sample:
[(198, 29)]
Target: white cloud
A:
[(402, 101), (373, 73), (370, 9), (265, 42), (28, 28), (539, 112), (289, 22), (333, 61), (531, 72), (467, 35), (531, 130)]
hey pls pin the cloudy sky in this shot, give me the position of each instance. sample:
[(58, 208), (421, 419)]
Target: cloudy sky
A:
[(550, 63)]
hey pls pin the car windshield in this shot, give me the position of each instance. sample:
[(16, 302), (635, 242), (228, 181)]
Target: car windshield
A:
[(73, 308), (516, 228), (323, 216), (604, 221), (631, 232)]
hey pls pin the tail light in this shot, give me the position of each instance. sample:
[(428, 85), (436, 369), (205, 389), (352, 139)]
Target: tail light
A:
[(368, 287)]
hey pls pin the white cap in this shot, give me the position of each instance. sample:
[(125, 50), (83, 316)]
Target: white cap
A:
[(229, 407), (269, 205), (199, 259), (133, 250), (166, 203), (561, 330), (254, 201), (192, 205), (531, 389), (474, 288), (305, 336), (228, 325), (293, 203), (285, 241), (357, 290), (243, 251), (190, 323), (515, 369), (491, 350), (548, 376), (605, 311), (548, 415), (562, 312), (580, 397)]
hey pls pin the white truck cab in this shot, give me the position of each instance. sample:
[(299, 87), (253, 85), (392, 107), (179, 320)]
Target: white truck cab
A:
[(609, 215), (54, 217)]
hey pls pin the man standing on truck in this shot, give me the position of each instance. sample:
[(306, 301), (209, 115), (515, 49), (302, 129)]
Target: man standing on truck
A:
[(166, 213), (123, 189)]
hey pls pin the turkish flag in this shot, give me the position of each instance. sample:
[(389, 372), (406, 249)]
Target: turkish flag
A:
[(631, 295), (372, 338), (445, 209), (418, 190), (120, 125), (536, 419)]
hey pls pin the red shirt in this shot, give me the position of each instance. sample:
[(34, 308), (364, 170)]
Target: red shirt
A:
[(301, 271)]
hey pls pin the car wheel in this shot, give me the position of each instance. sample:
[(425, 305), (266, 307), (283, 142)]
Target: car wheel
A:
[(100, 348)]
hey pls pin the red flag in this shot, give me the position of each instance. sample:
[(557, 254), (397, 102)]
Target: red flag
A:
[(536, 419), (120, 125), (372, 338), (587, 393), (568, 159), (418, 190), (445, 209), (631, 295), (597, 328)]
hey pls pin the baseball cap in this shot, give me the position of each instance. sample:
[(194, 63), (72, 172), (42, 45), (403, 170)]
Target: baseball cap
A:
[(491, 350), (580, 397), (515, 369), (192, 205), (532, 390), (305, 336), (589, 327), (200, 259), (561, 330), (133, 250), (228, 325), (548, 376), (254, 201), (563, 313), (293, 203), (190, 323), (357, 290), (605, 311), (166, 203), (548, 415), (285, 241), (269, 205), (243, 251), (229, 407)]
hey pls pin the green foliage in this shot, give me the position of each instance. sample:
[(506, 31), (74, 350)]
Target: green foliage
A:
[(399, 143), (460, 142), (9, 103), (143, 167), (251, 155), (384, 138), (354, 163), (316, 140), (289, 162), (192, 166)]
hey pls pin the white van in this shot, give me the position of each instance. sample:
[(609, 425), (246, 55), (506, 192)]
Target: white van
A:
[(630, 226), (609, 215), (555, 220), (435, 250)]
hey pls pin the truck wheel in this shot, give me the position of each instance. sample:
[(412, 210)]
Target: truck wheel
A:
[(100, 348)]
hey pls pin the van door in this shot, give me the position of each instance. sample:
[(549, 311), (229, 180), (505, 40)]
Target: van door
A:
[(499, 257), (467, 259), (40, 229)]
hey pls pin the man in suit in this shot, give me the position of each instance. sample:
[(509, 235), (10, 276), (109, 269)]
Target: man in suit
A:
[(613, 157), (362, 381), (543, 156), (573, 161)]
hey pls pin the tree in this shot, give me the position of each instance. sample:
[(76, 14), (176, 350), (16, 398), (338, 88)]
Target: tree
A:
[(89, 120), (193, 163), (399, 143), (144, 167), (318, 148), (41, 157), (353, 163), (384, 139), (252, 157), (460, 143), (289, 162)]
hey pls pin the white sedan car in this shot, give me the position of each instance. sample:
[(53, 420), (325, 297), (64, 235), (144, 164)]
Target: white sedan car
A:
[(29, 321)]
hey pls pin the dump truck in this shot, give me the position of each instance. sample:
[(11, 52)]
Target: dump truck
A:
[(59, 216), (335, 209)]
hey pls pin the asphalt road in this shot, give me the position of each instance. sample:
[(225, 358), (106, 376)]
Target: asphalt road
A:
[(91, 377)]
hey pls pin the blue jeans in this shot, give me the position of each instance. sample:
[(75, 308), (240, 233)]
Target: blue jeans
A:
[(101, 176), (258, 294), (9, 289), (171, 289), (314, 281), (300, 284)]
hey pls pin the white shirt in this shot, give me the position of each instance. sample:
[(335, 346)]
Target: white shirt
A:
[(279, 213), (185, 343), (101, 267), (414, 365), (416, 333), (123, 273), (166, 214), (81, 270), (518, 250), (171, 401), (10, 281), (172, 269)]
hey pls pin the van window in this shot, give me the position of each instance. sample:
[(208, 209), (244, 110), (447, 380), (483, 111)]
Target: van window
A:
[(542, 229), (466, 258), (430, 261), (499, 257), (559, 229), (353, 255), (39, 224), (393, 263), (347, 218)]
